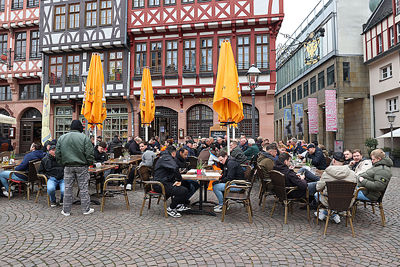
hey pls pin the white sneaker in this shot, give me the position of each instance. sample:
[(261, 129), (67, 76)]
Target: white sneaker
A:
[(128, 187), (65, 213), (218, 208), (173, 213), (12, 188), (90, 211), (5, 193), (336, 218), (182, 207), (321, 216)]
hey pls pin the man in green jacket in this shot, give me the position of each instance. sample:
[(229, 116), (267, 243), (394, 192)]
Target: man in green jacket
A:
[(375, 179), (74, 150), (252, 149)]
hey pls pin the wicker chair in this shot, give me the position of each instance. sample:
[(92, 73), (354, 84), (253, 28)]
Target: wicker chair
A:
[(111, 185), (118, 151), (143, 173), (263, 193), (31, 178), (41, 183), (150, 193), (242, 196), (340, 198), (281, 192), (372, 204)]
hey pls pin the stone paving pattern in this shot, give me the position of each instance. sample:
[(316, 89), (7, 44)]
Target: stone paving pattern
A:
[(31, 234)]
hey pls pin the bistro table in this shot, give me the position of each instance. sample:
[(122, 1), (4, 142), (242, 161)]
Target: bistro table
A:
[(122, 161), (8, 166), (204, 179)]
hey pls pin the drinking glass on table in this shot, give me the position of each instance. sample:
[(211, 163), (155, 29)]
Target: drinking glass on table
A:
[(111, 155)]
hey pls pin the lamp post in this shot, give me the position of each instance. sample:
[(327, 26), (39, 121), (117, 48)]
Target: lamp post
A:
[(252, 77), (391, 117)]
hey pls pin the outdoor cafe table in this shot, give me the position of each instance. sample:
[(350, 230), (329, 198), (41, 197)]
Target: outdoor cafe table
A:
[(204, 179)]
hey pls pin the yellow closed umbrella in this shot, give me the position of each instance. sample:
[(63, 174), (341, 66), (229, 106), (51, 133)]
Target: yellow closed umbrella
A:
[(46, 134), (94, 103), (147, 106), (227, 95)]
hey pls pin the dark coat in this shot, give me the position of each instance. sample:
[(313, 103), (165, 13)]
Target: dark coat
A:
[(114, 143), (34, 155), (51, 168), (192, 153), (292, 179), (232, 171), (317, 159), (166, 170), (238, 154), (181, 162), (266, 162), (134, 149), (100, 157)]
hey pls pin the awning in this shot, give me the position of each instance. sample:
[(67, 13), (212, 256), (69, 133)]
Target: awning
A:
[(396, 133), (7, 119)]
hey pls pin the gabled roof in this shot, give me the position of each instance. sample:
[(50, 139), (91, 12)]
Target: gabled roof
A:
[(383, 10)]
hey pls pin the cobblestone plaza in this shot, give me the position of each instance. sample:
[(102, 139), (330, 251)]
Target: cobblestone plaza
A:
[(34, 235)]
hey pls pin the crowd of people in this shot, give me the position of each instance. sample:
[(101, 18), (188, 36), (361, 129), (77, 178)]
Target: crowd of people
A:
[(67, 159)]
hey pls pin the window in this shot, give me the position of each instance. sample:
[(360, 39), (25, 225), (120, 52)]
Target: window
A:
[(17, 4), (105, 12), (20, 46), (34, 53), (30, 91), (392, 104), (187, 1), (169, 2), (262, 52), (391, 36), (73, 16), (189, 50), (397, 7), (380, 43), (73, 69), (244, 127), (4, 128), (289, 98), (294, 95), (386, 72), (33, 3), (156, 57), (140, 57), (346, 71), (55, 75), (3, 43), (171, 64), (280, 102), (284, 100), (321, 80), (243, 52), (154, 3), (299, 92), (199, 120), (2, 5), (398, 32), (91, 14), (59, 18), (115, 66), (116, 123), (305, 89), (313, 85), (206, 55), (330, 73), (5, 93), (138, 3), (62, 120)]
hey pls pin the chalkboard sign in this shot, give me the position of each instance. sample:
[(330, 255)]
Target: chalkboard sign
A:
[(217, 130), (216, 134)]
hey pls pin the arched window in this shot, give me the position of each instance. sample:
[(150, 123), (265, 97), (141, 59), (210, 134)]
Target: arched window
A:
[(4, 127), (164, 125), (199, 121), (245, 125), (32, 114)]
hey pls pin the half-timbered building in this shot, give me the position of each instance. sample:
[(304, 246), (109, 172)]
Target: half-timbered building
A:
[(20, 70), (70, 31), (179, 40)]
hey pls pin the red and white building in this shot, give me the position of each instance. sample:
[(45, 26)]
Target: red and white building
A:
[(20, 70), (179, 40), (381, 53)]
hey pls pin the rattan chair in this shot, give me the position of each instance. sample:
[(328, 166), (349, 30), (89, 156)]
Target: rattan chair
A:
[(372, 204), (118, 151), (142, 173), (340, 198), (150, 193), (264, 186), (41, 183), (31, 178), (281, 192), (111, 185)]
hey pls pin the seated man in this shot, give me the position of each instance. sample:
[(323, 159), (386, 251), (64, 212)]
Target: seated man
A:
[(316, 156), (252, 149), (167, 172), (237, 153), (359, 164), (189, 147), (348, 157), (100, 154), (231, 171), (148, 157), (266, 159), (35, 153), (55, 175), (180, 160), (375, 179), (337, 171)]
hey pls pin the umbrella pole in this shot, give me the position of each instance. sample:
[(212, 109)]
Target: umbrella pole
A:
[(233, 133), (95, 135), (146, 130), (228, 142)]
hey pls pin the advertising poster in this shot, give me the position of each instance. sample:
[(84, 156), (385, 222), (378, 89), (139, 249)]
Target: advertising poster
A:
[(312, 115), (288, 121), (330, 110), (298, 117)]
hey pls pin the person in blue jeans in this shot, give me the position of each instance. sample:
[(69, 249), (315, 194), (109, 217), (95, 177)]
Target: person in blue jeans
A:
[(36, 153), (231, 171), (55, 175)]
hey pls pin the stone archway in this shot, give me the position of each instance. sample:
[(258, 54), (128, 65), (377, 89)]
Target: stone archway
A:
[(30, 129)]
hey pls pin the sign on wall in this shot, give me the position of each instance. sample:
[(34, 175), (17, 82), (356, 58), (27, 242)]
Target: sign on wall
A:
[(312, 53), (330, 110), (288, 121), (312, 116), (298, 117)]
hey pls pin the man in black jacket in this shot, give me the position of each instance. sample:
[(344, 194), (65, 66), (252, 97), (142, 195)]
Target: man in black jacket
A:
[(231, 171), (99, 153), (180, 159), (55, 175), (166, 171), (134, 147), (316, 156)]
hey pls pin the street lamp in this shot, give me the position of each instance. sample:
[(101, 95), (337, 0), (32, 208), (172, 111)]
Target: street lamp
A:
[(391, 117), (252, 77)]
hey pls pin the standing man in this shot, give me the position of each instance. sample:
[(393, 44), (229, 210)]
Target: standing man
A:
[(75, 152)]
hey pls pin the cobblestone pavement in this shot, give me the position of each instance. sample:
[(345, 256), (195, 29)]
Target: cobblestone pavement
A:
[(31, 234)]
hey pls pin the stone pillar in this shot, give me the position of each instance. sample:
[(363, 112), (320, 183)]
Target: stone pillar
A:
[(306, 135), (366, 111), (321, 125), (340, 118)]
